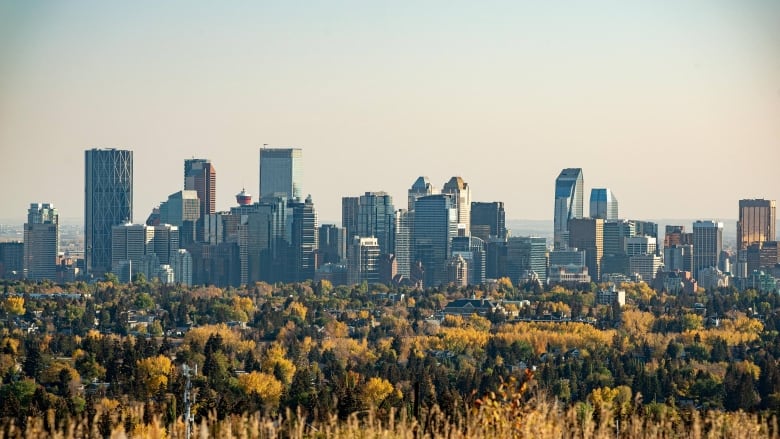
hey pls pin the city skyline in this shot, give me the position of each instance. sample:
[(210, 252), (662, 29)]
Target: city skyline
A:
[(379, 96)]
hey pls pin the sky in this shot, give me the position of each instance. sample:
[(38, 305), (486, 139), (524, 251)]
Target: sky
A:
[(674, 106)]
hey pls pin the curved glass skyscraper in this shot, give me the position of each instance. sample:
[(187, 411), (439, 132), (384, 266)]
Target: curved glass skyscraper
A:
[(603, 204), (568, 204)]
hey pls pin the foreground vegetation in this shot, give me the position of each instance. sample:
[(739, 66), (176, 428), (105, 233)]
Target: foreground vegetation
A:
[(311, 360)]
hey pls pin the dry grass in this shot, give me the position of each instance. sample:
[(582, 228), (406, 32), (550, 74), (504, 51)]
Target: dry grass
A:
[(539, 419)]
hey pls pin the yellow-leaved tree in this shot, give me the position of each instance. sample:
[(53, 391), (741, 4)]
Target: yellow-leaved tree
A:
[(264, 385), (14, 305), (153, 373), (277, 364), (376, 390)]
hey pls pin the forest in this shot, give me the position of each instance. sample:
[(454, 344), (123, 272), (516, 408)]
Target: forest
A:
[(102, 357)]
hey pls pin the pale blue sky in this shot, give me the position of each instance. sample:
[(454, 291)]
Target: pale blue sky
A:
[(675, 106)]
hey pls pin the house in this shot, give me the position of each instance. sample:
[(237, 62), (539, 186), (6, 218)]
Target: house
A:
[(467, 307)]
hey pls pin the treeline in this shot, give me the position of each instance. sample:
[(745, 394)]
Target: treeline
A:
[(107, 348)]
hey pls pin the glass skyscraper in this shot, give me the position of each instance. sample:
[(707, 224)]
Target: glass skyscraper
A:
[(568, 204), (603, 204), (108, 201), (281, 172), (435, 224)]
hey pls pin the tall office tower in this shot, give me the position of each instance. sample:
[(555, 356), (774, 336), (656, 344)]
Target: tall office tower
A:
[(488, 219), (461, 193), (182, 209), (458, 271), (615, 234), (363, 265), (640, 245), (526, 254), (648, 228), (128, 247), (281, 171), (588, 234), (305, 239), (757, 222), (678, 257), (108, 192), (41, 242), (472, 250), (164, 243), (349, 216), (568, 204), (11, 260), (376, 217), (265, 241), (404, 243), (603, 204), (496, 256), (201, 177), (215, 264), (645, 265), (761, 256), (332, 244), (182, 267), (422, 187), (707, 244), (435, 224)]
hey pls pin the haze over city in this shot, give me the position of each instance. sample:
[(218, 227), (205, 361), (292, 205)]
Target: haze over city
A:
[(675, 108)]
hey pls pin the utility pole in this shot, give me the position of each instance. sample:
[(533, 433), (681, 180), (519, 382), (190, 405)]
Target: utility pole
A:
[(188, 398)]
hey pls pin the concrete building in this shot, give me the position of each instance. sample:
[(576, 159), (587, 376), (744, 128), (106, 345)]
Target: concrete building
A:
[(182, 209), (640, 245), (404, 241), (678, 257), (472, 250), (363, 260), (108, 202), (332, 244), (461, 193), (645, 265), (421, 187), (376, 217), (707, 244), (611, 296), (588, 234), (568, 204), (458, 271), (182, 267), (41, 242), (129, 244)]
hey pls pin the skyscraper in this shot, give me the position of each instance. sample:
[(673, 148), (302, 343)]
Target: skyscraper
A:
[(422, 187), (435, 224), (41, 242), (376, 217), (281, 172), (488, 219), (305, 238), (526, 254), (129, 245), (461, 193), (108, 193), (201, 177), (350, 207), (707, 245), (472, 250), (588, 234), (332, 244), (363, 265), (603, 204), (404, 241), (568, 204), (757, 222)]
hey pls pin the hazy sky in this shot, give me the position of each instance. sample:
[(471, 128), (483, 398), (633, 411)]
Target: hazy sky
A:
[(675, 106)]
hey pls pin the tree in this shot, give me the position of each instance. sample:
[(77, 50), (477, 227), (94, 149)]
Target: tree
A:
[(264, 385), (14, 305), (153, 373), (376, 390)]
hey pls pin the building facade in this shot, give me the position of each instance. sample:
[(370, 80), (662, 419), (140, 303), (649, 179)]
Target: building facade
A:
[(568, 204), (588, 234), (435, 224), (757, 222), (41, 242), (603, 204), (707, 245), (108, 191), (488, 219), (281, 172), (461, 195)]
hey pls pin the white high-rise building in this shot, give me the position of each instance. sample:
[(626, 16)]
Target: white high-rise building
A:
[(182, 267), (41, 242), (461, 193), (404, 246)]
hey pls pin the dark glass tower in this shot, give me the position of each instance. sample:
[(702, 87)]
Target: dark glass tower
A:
[(435, 224), (108, 201), (568, 204)]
